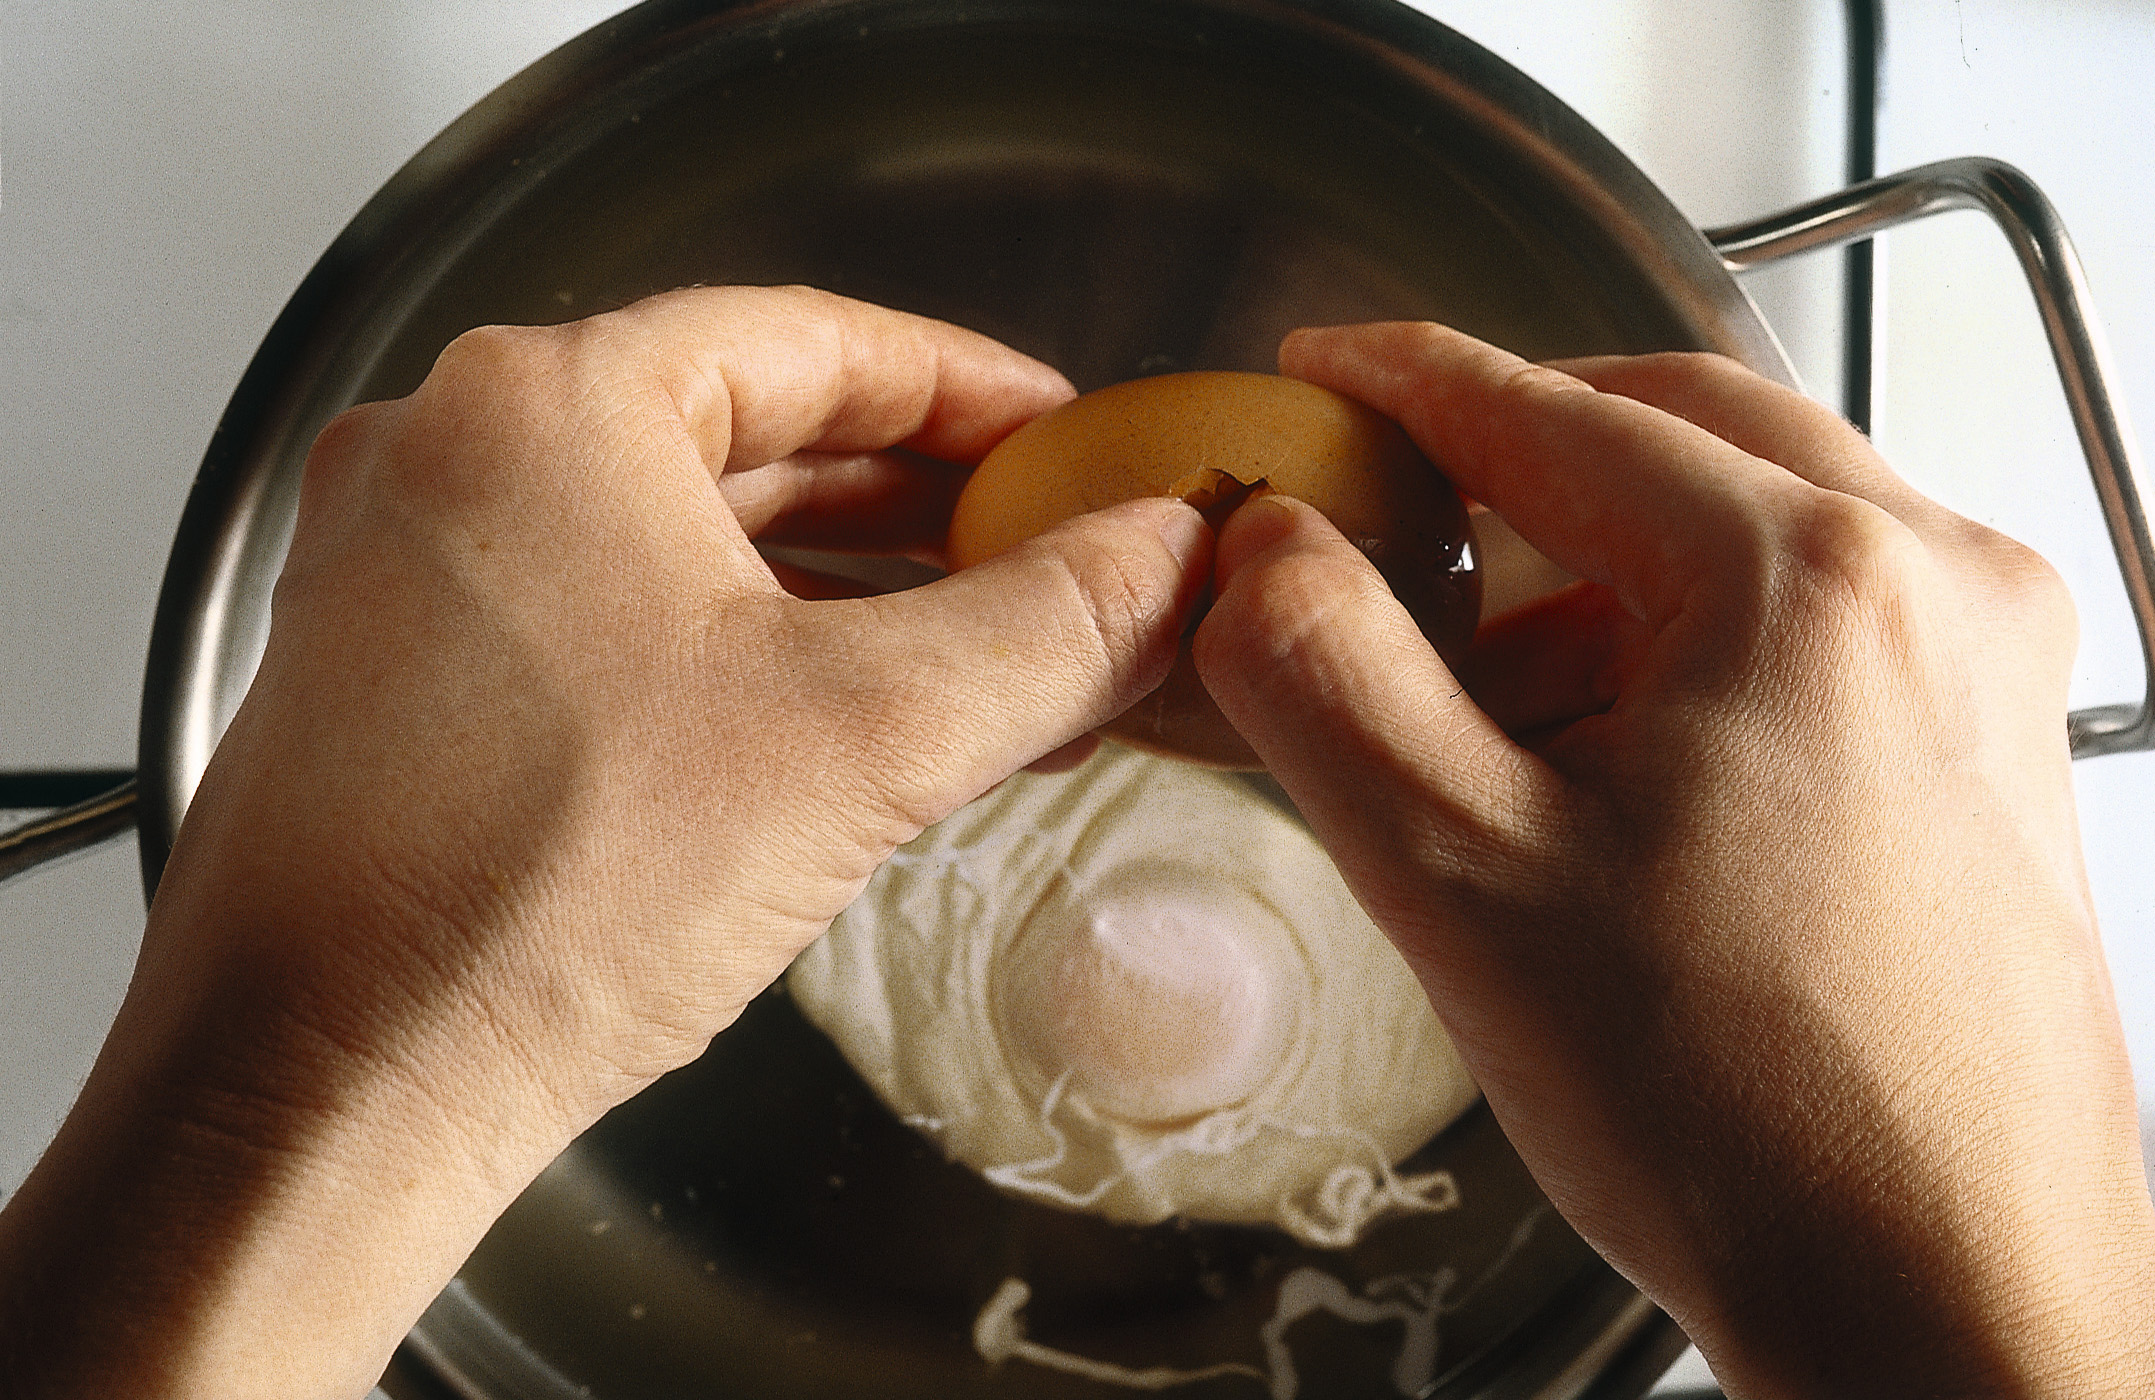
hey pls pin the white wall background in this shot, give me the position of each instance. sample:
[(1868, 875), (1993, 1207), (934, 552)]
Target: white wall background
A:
[(1970, 408)]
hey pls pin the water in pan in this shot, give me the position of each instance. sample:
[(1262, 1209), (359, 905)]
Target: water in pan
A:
[(758, 1224), (762, 1224)]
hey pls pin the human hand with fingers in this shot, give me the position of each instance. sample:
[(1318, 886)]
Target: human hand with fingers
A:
[(546, 773), (543, 776), (1744, 871)]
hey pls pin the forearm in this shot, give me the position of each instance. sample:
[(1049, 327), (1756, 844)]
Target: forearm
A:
[(2069, 1322), (1841, 1191), (1771, 948), (256, 1222), (1891, 1288), (1900, 1174)]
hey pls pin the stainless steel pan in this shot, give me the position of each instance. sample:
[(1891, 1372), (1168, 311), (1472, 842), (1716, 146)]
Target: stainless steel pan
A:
[(1120, 187)]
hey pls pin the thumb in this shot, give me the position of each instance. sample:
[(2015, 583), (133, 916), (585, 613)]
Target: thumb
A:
[(1322, 670), (1019, 655)]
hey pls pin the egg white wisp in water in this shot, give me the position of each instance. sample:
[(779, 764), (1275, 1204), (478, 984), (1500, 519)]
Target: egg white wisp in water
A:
[(1142, 990)]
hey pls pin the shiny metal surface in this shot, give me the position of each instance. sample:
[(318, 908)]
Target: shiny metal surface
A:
[(2059, 285), (1182, 182), (63, 833), (1119, 187)]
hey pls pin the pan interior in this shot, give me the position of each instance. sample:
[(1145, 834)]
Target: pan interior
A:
[(756, 1224), (1116, 208)]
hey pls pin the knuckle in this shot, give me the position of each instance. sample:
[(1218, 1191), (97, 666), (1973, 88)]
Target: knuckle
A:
[(1522, 397), (801, 294), (489, 361), (2044, 594), (2024, 583), (1698, 385), (1527, 386), (1693, 366), (1275, 638), (1120, 596), (1862, 555), (481, 416), (342, 454), (1842, 577), (481, 347), (1423, 339), (1853, 549), (1290, 603), (348, 436), (485, 385), (2014, 564), (340, 464)]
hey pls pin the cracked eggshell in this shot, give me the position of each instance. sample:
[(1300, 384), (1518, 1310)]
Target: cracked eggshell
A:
[(1211, 437), (1142, 990)]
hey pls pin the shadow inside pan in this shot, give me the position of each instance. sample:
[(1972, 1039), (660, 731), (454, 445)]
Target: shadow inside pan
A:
[(759, 1224)]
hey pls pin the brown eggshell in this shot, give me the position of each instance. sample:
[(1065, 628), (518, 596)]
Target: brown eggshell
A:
[(1213, 438)]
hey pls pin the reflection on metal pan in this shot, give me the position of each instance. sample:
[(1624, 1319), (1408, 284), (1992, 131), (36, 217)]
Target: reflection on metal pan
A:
[(1120, 187)]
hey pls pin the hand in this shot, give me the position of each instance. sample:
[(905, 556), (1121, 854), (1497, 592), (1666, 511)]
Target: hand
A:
[(1770, 945), (543, 776)]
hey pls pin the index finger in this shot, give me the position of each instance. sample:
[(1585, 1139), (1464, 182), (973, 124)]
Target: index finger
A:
[(620, 423), (1764, 418), (759, 373), (1610, 488)]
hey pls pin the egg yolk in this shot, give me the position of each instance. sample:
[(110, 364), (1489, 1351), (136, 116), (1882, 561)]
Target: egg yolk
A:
[(1140, 990), (1153, 1004)]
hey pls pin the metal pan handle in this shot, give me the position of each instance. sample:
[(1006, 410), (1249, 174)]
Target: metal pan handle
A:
[(71, 829), (2031, 225)]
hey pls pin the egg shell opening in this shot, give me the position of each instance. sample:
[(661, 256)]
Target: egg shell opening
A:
[(1195, 435)]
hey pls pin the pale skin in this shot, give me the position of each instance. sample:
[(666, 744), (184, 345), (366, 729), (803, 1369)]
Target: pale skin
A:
[(1744, 873)]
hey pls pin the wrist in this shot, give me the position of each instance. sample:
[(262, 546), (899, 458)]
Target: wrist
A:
[(2039, 1305), (257, 1213)]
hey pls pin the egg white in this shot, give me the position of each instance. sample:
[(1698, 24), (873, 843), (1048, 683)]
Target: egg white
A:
[(1141, 990)]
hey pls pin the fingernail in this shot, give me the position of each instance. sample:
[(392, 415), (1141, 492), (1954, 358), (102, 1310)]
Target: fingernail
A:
[(1182, 530), (1269, 513), (1261, 522)]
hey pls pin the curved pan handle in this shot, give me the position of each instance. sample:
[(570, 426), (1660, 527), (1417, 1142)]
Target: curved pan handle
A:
[(2054, 274), (66, 831)]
